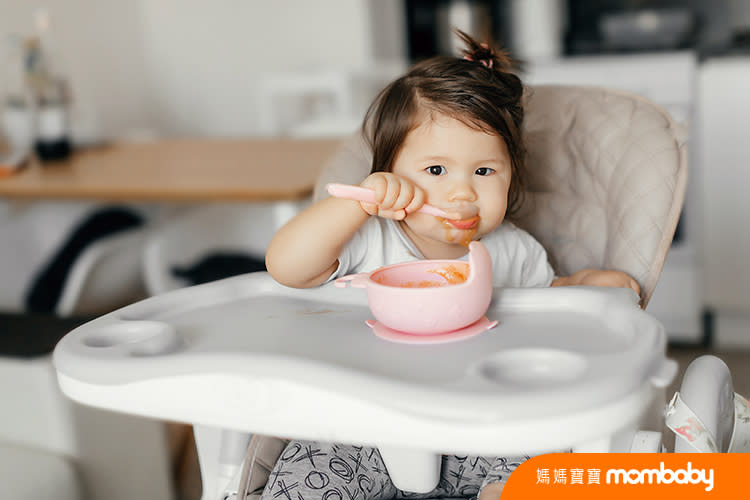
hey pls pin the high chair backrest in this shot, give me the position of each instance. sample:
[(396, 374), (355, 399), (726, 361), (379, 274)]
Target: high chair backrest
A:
[(606, 183)]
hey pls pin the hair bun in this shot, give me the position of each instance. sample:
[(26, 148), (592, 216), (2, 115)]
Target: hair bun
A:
[(484, 53)]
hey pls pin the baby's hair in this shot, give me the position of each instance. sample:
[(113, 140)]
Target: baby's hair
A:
[(481, 90)]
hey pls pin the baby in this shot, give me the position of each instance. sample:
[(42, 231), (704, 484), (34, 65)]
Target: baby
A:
[(448, 133)]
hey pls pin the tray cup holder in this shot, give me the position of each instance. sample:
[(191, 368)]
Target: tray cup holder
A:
[(137, 338), (533, 367)]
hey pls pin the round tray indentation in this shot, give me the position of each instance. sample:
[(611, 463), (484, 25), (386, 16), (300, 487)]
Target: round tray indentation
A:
[(143, 338), (533, 366)]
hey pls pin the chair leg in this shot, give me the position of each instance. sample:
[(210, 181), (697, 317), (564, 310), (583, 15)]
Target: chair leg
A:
[(220, 455), (412, 470)]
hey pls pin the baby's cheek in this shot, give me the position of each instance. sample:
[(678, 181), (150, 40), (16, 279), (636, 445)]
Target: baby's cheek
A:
[(489, 224)]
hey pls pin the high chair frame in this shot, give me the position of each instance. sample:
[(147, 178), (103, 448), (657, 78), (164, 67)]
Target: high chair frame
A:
[(608, 176), (706, 415), (566, 368)]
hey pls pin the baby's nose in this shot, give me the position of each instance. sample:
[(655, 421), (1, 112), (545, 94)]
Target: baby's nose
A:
[(462, 191)]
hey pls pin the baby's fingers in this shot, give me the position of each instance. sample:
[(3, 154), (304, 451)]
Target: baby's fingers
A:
[(390, 196), (417, 201), (369, 208), (634, 285), (399, 214), (405, 196), (393, 195), (385, 189), (624, 280)]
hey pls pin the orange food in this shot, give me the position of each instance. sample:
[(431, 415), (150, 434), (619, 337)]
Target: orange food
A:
[(383, 280), (453, 274), (422, 284)]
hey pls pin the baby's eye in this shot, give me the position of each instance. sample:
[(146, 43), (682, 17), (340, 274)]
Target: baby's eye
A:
[(436, 170), (485, 171)]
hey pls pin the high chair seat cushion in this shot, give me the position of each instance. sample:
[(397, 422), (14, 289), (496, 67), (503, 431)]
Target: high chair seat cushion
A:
[(32, 474), (607, 179)]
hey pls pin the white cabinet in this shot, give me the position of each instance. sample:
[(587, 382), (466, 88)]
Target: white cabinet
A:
[(723, 126)]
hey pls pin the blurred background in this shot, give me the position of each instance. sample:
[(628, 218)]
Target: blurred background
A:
[(79, 74)]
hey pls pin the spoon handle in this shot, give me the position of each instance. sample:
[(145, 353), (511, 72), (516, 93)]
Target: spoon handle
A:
[(367, 195), (349, 192)]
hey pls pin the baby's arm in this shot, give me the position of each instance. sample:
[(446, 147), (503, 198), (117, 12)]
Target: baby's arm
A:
[(304, 253), (598, 277)]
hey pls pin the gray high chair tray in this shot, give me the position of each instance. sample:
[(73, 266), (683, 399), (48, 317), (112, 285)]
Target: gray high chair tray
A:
[(565, 368)]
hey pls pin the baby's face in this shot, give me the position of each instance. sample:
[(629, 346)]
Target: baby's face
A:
[(455, 165)]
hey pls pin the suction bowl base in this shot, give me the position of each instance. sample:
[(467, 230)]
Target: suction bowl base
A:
[(481, 325)]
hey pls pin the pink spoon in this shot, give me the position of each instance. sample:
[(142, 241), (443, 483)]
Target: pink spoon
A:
[(367, 195)]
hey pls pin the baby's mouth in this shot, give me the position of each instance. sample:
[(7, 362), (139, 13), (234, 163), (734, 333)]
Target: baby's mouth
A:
[(464, 223)]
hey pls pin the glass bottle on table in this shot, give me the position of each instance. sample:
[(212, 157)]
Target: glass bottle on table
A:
[(51, 94), (17, 116)]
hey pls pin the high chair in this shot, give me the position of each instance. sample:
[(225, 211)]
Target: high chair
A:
[(566, 368)]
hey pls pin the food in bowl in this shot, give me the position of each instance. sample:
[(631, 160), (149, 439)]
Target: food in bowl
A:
[(446, 274)]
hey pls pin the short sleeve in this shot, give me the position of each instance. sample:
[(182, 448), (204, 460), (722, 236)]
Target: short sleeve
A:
[(537, 271), (353, 253), (518, 259)]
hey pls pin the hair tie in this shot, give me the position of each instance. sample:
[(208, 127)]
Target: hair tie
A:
[(486, 62)]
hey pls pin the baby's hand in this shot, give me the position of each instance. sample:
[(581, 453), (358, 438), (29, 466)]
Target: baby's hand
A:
[(599, 277), (615, 279), (395, 196)]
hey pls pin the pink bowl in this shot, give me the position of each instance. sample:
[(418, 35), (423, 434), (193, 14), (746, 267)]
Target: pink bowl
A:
[(428, 296)]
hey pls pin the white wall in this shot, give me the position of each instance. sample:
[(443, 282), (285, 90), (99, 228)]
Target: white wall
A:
[(188, 67), (100, 47), (203, 58)]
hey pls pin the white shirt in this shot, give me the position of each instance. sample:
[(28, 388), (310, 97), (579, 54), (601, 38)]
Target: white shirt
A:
[(518, 260)]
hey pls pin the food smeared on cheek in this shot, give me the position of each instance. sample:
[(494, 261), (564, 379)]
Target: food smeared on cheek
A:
[(466, 233)]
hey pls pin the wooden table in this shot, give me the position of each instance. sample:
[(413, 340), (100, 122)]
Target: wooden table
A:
[(179, 170)]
